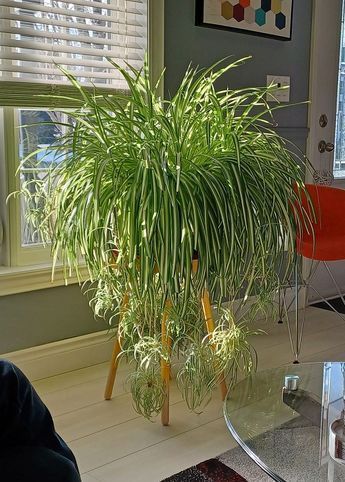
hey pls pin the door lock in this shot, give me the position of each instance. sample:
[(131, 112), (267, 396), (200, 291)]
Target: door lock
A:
[(323, 121), (325, 146)]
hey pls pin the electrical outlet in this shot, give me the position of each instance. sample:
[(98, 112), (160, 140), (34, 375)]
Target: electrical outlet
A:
[(282, 92)]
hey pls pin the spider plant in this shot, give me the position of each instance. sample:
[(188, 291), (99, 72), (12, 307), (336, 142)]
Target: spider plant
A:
[(146, 184)]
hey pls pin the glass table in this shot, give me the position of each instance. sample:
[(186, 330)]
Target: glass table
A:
[(290, 421)]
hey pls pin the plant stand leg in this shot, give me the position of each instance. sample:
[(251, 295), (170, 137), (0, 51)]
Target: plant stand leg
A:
[(165, 366), (206, 306), (114, 358)]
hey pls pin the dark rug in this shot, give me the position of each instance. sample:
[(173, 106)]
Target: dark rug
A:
[(336, 303), (212, 470)]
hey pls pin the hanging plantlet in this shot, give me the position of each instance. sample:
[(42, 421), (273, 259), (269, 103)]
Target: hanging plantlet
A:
[(147, 391)]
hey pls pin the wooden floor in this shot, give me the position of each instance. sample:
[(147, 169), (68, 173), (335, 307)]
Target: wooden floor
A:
[(113, 444)]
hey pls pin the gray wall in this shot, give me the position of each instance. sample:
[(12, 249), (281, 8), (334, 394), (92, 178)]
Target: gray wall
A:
[(43, 316), (185, 43)]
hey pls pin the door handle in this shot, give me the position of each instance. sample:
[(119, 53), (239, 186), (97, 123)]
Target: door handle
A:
[(325, 146)]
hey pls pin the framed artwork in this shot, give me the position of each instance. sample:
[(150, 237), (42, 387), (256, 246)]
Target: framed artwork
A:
[(272, 18)]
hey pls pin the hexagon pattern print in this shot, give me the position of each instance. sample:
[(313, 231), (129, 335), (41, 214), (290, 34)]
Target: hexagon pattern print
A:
[(267, 17)]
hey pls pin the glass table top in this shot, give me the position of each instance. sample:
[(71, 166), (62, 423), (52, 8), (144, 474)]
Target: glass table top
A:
[(290, 421)]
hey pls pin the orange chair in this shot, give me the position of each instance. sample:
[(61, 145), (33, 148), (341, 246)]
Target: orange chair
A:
[(323, 240), (327, 241)]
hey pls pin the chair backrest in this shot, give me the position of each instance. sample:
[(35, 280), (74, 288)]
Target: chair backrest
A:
[(329, 209)]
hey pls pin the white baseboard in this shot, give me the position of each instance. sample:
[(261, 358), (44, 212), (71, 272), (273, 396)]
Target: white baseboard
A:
[(290, 296), (62, 356), (289, 301), (73, 353)]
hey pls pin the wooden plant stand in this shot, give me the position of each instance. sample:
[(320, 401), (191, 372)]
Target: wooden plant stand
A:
[(165, 367)]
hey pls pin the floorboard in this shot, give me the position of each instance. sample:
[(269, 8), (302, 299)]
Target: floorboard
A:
[(113, 444)]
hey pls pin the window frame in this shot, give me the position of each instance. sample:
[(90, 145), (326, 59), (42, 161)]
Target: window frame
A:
[(20, 255), (16, 260)]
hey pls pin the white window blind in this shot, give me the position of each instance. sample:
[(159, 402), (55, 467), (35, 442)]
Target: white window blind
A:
[(38, 35)]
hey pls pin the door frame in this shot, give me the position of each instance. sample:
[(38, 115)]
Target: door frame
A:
[(323, 75)]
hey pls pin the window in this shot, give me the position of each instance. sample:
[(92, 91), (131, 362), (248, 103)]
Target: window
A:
[(36, 159), (28, 160), (36, 37)]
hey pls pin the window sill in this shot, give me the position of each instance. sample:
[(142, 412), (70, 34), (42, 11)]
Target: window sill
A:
[(21, 279)]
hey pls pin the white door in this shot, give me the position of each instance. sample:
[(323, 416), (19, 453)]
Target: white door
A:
[(327, 116)]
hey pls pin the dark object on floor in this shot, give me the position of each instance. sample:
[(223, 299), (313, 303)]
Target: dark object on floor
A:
[(30, 448), (212, 470), (337, 304)]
